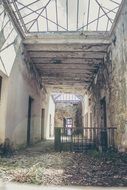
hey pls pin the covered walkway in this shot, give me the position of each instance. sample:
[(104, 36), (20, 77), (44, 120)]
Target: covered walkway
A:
[(63, 65)]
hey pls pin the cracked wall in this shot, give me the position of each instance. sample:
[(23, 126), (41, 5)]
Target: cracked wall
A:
[(111, 83)]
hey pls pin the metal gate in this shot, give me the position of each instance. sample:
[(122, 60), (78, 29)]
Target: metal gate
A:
[(83, 139)]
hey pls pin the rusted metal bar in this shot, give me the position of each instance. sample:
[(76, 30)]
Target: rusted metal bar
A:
[(3, 65), (19, 15), (81, 139), (98, 18), (103, 10), (88, 13), (25, 6), (115, 2), (56, 14), (46, 13), (39, 15), (67, 13), (45, 18), (7, 46), (107, 25), (14, 19), (77, 13)]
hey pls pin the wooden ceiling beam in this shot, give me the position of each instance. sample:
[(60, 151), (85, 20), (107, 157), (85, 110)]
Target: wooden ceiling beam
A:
[(64, 82), (87, 37), (68, 70), (57, 55), (66, 47), (69, 80), (67, 74), (64, 61), (66, 67)]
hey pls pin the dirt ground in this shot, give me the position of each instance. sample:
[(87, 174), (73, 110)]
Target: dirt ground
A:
[(40, 164)]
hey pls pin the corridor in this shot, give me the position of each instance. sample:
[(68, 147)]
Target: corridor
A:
[(63, 93)]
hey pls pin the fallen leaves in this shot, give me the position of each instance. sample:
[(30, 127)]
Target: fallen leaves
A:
[(41, 165)]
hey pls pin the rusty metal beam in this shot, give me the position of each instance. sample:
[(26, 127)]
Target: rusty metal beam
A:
[(97, 18), (35, 11), (39, 15), (14, 19), (103, 10), (20, 16), (56, 14), (88, 13), (77, 13)]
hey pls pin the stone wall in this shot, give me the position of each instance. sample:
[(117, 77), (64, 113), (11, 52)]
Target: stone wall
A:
[(111, 82), (118, 106), (65, 110)]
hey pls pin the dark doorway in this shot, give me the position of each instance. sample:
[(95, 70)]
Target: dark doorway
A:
[(103, 113), (29, 120), (42, 123), (103, 131)]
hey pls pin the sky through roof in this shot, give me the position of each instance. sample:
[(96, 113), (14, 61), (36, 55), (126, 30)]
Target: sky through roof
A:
[(65, 15), (50, 15)]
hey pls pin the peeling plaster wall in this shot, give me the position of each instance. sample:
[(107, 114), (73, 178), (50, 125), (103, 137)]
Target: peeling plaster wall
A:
[(111, 83), (118, 104), (19, 86)]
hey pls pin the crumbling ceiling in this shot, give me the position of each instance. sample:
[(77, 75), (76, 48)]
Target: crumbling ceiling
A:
[(68, 58)]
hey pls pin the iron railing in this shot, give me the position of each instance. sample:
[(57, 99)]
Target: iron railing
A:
[(82, 139)]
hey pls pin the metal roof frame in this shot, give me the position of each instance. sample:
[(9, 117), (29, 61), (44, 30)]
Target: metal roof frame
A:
[(15, 9)]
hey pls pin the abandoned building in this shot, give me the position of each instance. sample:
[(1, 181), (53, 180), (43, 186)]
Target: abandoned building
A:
[(63, 72)]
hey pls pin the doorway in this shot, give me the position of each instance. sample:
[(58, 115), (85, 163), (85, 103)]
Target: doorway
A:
[(103, 113), (103, 132), (30, 101), (42, 123)]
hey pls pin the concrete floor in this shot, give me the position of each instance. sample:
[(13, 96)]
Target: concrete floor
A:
[(11, 186)]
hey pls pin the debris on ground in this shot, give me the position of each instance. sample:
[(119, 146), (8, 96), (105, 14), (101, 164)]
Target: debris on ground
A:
[(42, 165)]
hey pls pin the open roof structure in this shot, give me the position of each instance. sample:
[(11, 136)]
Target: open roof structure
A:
[(74, 40), (63, 15), (66, 98)]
